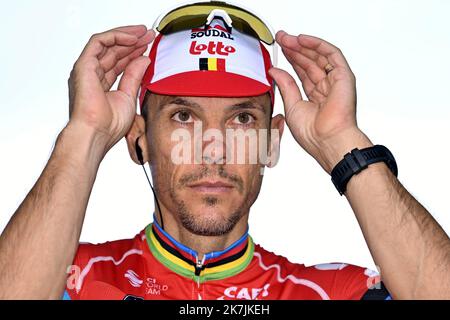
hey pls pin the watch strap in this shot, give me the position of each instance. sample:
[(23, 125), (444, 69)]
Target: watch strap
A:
[(357, 160)]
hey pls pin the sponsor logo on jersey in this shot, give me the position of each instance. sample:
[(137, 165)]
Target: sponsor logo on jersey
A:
[(133, 278), (155, 288), (245, 293)]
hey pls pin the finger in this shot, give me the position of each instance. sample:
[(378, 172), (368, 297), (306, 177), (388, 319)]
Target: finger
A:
[(320, 60), (132, 76), (316, 93), (291, 42), (111, 75), (290, 92), (137, 30), (285, 39), (314, 72), (307, 84), (116, 53), (323, 86), (97, 43), (331, 52), (147, 37)]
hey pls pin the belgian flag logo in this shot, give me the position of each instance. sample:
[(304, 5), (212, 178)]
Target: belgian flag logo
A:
[(212, 64)]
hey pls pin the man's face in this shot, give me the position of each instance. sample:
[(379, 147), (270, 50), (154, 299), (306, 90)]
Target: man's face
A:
[(211, 189)]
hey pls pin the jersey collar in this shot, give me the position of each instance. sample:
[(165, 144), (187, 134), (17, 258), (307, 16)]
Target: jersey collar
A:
[(215, 265)]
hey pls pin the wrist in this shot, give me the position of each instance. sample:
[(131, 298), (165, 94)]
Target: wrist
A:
[(81, 145), (333, 149), (376, 173)]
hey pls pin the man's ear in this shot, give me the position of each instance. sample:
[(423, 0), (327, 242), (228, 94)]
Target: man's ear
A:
[(137, 132), (277, 128)]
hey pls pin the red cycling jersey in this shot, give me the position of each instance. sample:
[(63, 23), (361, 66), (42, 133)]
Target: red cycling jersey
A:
[(153, 265)]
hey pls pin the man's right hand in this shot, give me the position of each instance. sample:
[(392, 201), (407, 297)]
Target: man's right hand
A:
[(41, 239), (91, 103)]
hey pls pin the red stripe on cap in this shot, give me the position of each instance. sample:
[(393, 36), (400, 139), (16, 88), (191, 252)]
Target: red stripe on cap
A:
[(209, 84), (221, 64)]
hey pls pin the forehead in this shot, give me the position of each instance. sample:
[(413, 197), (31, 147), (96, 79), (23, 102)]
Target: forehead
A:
[(156, 101)]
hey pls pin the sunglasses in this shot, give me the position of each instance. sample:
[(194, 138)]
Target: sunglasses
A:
[(198, 14)]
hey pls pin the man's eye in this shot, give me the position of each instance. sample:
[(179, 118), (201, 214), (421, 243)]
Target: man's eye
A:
[(183, 117), (244, 118)]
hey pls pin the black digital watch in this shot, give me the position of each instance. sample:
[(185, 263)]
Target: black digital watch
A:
[(357, 160)]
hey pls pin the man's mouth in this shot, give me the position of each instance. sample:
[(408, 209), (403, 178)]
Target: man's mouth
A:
[(211, 186)]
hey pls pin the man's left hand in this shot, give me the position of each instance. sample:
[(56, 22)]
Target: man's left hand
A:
[(325, 124)]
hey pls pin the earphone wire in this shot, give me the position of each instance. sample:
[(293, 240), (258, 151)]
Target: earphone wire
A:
[(156, 198)]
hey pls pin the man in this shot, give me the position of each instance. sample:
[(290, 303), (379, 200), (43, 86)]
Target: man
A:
[(198, 246)]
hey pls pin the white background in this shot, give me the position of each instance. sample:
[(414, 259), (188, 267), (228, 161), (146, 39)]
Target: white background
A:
[(399, 51)]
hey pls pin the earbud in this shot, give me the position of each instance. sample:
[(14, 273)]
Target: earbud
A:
[(139, 152)]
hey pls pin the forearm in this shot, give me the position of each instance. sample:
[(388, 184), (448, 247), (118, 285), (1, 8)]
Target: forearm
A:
[(41, 239), (410, 248), (407, 244)]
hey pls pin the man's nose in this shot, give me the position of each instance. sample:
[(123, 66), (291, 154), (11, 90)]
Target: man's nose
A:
[(213, 146)]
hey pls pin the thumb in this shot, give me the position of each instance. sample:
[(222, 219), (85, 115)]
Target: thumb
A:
[(132, 76), (290, 92)]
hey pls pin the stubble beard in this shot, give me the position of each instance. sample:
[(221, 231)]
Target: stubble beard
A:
[(200, 225)]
